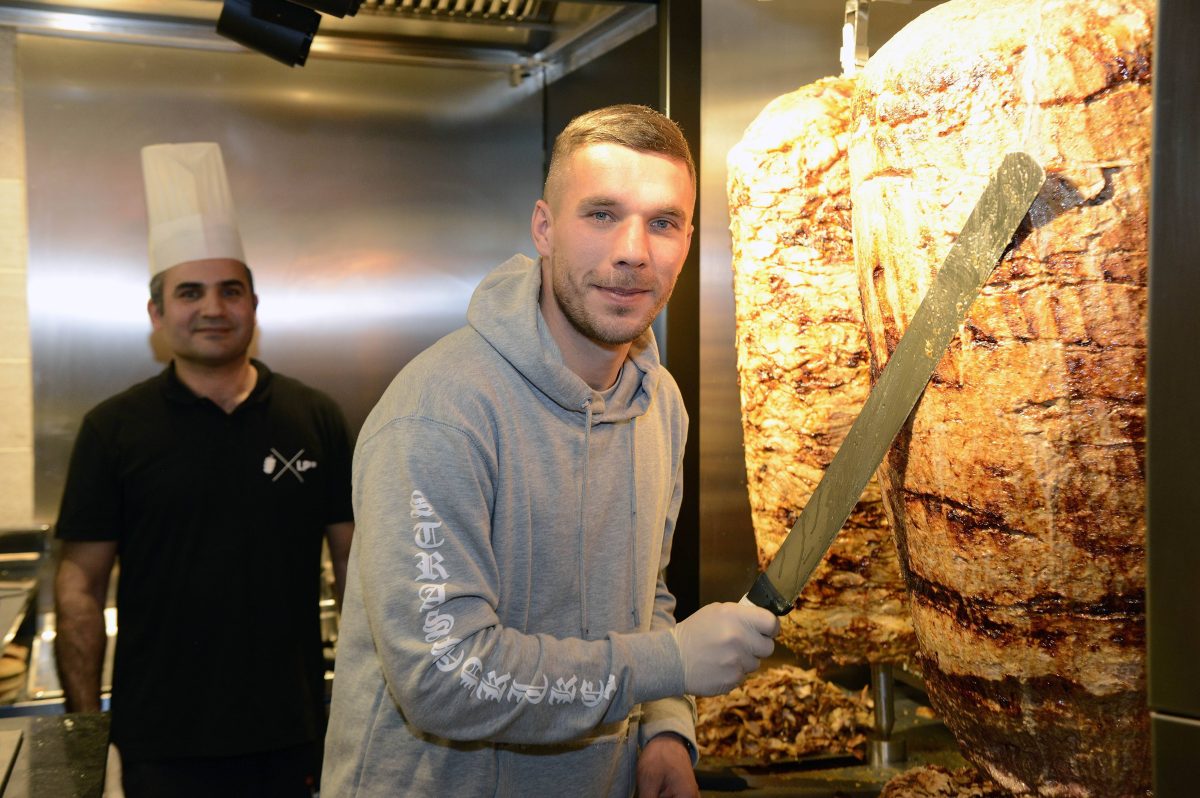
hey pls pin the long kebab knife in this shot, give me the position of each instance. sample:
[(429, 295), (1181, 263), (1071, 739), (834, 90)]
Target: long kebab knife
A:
[(988, 230)]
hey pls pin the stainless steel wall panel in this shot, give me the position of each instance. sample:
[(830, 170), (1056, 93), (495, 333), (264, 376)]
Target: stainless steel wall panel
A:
[(1172, 426), (1176, 739), (371, 200)]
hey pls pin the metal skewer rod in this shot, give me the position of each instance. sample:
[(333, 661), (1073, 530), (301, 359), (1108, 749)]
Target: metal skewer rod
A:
[(884, 748)]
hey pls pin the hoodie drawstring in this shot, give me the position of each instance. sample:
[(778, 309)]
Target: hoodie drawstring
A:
[(631, 441), (587, 441), (633, 560)]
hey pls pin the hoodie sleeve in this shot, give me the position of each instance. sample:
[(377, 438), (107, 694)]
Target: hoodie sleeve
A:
[(675, 713), (430, 585)]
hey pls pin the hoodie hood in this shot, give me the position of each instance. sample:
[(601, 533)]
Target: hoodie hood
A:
[(504, 310)]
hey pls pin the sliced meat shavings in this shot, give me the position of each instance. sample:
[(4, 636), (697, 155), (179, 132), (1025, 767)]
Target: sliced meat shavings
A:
[(783, 713), (935, 781)]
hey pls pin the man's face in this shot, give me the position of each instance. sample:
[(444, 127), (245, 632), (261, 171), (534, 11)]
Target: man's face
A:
[(613, 236), (208, 311)]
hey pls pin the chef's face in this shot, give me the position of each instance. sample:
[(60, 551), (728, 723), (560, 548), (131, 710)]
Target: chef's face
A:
[(613, 233), (208, 311)]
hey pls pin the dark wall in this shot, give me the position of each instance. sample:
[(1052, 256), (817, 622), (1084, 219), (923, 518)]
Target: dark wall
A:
[(658, 68)]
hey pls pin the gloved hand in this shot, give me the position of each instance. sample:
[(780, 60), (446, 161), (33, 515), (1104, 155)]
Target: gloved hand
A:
[(720, 643)]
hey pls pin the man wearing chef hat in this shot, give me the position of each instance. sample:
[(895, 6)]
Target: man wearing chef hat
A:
[(212, 484), (508, 630)]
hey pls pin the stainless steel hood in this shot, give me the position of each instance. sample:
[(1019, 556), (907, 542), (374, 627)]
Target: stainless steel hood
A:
[(543, 38)]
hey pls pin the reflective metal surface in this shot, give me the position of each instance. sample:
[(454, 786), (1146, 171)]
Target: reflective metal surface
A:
[(519, 38), (371, 198), (1172, 425)]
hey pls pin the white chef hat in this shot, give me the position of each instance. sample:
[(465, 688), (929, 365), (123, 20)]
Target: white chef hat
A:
[(189, 205)]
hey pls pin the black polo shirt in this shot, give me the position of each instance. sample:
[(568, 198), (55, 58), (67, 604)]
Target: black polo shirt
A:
[(219, 519)]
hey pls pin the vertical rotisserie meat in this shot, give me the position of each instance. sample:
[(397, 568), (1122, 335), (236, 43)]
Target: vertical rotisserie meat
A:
[(1017, 489), (803, 367)]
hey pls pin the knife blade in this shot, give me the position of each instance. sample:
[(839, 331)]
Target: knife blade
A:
[(984, 236)]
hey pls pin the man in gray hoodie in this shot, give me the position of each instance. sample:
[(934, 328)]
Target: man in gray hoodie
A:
[(506, 628)]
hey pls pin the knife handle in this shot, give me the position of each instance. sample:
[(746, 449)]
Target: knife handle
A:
[(763, 594)]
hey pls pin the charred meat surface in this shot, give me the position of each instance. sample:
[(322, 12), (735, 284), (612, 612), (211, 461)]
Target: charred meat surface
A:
[(1017, 490)]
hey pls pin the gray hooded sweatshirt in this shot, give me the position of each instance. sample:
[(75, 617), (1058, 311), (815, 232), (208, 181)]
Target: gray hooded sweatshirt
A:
[(506, 626)]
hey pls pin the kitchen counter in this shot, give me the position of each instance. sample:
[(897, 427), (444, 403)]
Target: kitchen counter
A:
[(58, 756)]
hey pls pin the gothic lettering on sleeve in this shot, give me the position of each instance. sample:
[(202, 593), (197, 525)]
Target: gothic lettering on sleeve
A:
[(492, 686), (472, 669), (432, 596), (530, 693), (437, 625), (425, 534), (419, 505), (563, 691), (433, 579), (442, 647), (449, 662), (591, 695), (430, 567)]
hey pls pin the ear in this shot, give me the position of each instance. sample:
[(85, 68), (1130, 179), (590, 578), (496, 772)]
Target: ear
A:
[(155, 316), (541, 228)]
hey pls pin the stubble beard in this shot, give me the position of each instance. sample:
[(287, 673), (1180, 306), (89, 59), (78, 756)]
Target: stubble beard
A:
[(571, 302), (222, 357)]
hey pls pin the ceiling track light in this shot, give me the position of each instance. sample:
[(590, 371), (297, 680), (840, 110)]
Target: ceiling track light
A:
[(280, 29)]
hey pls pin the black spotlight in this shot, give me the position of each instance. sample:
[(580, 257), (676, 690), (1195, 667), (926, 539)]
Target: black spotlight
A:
[(276, 28), (334, 8)]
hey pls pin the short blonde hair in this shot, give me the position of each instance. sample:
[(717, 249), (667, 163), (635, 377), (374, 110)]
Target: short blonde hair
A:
[(638, 127)]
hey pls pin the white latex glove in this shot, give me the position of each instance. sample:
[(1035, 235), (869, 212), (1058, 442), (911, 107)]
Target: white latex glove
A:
[(721, 643)]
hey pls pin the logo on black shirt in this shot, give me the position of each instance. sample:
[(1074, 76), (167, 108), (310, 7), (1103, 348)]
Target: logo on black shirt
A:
[(292, 464)]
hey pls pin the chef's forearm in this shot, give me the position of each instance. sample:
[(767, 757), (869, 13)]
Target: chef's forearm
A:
[(80, 592), (79, 650)]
